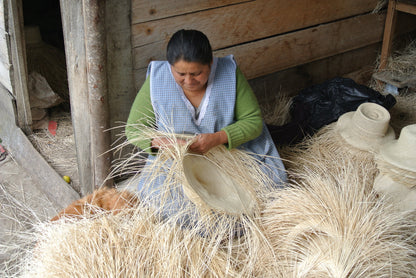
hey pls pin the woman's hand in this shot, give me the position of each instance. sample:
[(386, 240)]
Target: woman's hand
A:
[(207, 141)]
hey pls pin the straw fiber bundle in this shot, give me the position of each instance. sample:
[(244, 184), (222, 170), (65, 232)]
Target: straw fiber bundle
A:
[(19, 212), (326, 151), (403, 61), (328, 227), (192, 240), (327, 224), (215, 224), (276, 109), (243, 169), (131, 244)]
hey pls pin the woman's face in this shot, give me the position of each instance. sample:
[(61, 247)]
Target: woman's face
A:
[(191, 76)]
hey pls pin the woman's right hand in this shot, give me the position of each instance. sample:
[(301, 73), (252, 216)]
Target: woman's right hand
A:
[(206, 141)]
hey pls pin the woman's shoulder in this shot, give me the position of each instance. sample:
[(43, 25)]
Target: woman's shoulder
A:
[(156, 66), (226, 63), (228, 58)]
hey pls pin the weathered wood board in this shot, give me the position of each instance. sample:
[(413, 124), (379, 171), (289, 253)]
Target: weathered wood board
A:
[(307, 45), (18, 73), (4, 49), (22, 150), (292, 80), (143, 11), (72, 21), (241, 23), (300, 47), (119, 62)]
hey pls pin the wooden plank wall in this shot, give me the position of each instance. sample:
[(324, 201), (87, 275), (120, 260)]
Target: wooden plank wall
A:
[(15, 109), (4, 50), (265, 36)]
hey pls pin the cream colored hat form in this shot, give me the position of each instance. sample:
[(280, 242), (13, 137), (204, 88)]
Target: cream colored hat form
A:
[(401, 152), (367, 127), (399, 195), (208, 183)]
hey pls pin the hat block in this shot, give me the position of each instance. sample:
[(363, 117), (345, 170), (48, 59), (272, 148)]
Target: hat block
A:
[(367, 127)]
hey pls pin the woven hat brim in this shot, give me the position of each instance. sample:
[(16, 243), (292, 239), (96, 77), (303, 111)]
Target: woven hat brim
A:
[(394, 154), (401, 152), (403, 198), (365, 143), (211, 185)]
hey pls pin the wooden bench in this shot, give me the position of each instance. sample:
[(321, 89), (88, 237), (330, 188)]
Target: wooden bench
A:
[(393, 7), (396, 79)]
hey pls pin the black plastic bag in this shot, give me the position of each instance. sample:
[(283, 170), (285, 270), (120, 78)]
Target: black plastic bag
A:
[(322, 104)]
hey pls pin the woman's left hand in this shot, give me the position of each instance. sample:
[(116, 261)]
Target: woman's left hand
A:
[(207, 141)]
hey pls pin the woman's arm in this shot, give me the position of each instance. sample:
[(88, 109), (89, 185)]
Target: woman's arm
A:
[(141, 113), (249, 121)]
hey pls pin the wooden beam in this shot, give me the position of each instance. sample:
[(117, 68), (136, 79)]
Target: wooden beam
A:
[(406, 7), (18, 70), (73, 31), (389, 27), (5, 59), (85, 48), (120, 79), (96, 55), (22, 150)]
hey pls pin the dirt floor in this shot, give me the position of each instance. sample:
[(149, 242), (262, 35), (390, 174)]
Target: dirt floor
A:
[(21, 206)]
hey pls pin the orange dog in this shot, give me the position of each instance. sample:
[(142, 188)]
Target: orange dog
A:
[(109, 199)]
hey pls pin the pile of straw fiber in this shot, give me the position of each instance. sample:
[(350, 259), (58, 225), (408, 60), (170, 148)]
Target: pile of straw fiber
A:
[(327, 222), (141, 242)]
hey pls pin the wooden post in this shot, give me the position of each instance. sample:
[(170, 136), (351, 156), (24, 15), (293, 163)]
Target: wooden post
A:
[(73, 30), (19, 70), (96, 55), (388, 33), (82, 24)]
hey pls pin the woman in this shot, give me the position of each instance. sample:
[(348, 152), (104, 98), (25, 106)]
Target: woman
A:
[(194, 93)]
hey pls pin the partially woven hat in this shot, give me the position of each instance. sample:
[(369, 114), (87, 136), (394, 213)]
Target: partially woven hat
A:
[(208, 184), (401, 152), (401, 196), (367, 127)]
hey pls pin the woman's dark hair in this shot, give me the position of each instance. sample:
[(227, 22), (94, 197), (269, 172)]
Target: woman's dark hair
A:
[(190, 46)]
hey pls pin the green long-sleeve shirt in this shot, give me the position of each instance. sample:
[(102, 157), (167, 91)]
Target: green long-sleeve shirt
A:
[(247, 126)]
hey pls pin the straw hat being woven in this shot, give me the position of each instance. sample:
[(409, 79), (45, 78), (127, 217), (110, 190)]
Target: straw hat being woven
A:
[(207, 184), (401, 152), (367, 127)]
